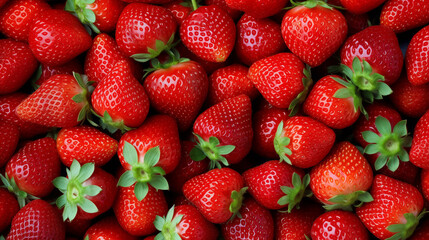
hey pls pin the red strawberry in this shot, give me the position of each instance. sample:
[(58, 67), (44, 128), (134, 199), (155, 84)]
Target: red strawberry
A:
[(416, 61), (229, 82), (107, 228), (148, 1), (77, 227), (143, 31), (224, 132), (312, 32), (419, 153), (9, 134), (257, 39), (394, 209), (425, 183), (60, 102), (86, 145), (303, 141), (218, 194), (234, 13), (17, 64), (256, 222), (185, 222), (46, 71), (3, 2), (56, 37), (17, 15), (258, 8), (8, 208), (120, 100), (338, 224), (178, 90), (209, 32), (342, 178), (361, 6), (37, 220), (403, 15), (137, 217), (356, 22), (274, 184), (180, 10)]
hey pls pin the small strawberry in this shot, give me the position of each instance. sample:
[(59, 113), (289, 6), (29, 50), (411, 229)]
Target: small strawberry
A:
[(8, 208), (419, 153), (107, 228), (258, 8), (361, 6), (403, 15), (9, 134), (44, 72), (416, 62)]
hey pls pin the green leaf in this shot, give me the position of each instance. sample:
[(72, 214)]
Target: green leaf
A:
[(61, 183), (74, 169), (365, 197), (152, 156), (401, 128), (227, 149), (78, 98), (383, 125), (214, 141), (371, 149), (61, 201), (89, 15), (403, 156), (88, 206), (69, 212), (380, 162), (370, 137), (92, 190), (356, 65), (130, 153), (159, 182), (343, 93), (69, 6), (396, 228), (127, 179), (86, 172), (196, 154), (82, 113), (141, 190), (384, 89), (393, 163), (159, 223), (170, 214)]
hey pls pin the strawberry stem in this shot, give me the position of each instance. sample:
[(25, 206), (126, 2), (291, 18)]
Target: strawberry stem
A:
[(167, 225), (346, 201), (237, 201), (194, 5), (300, 98), (211, 149), (280, 144), (293, 196), (81, 9), (22, 197)]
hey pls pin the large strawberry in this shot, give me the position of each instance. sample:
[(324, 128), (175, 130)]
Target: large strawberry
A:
[(9, 134), (416, 62), (313, 31), (258, 8), (107, 228), (419, 153), (8, 208), (361, 6), (403, 15)]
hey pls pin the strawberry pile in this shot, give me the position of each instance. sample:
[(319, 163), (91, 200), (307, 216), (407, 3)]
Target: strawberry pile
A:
[(214, 119)]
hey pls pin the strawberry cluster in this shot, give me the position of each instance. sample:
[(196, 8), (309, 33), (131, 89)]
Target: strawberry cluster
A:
[(214, 119)]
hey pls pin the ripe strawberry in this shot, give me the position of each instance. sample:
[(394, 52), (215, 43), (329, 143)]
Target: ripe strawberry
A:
[(224, 132), (137, 217), (356, 22), (256, 222), (209, 32), (17, 63), (416, 62), (60, 102), (403, 15), (306, 141), (419, 153), (143, 31), (9, 134), (86, 145), (185, 222), (8, 208), (107, 228), (37, 220), (229, 82), (180, 10), (342, 178), (338, 224), (218, 194), (282, 79), (120, 100), (394, 209), (17, 15), (234, 13), (56, 37), (425, 183), (257, 39), (44, 72), (359, 6), (258, 8), (313, 31), (178, 90)]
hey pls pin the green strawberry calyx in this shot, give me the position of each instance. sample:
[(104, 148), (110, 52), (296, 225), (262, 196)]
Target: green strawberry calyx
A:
[(404, 231), (350, 90), (82, 9), (107, 122), (82, 97), (311, 4), (300, 98), (174, 59), (212, 149), (280, 144), (143, 173), (167, 226), (237, 202), (74, 190), (160, 46), (347, 201), (22, 197), (390, 143), (294, 195)]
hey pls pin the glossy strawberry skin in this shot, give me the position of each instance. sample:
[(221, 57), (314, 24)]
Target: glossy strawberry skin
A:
[(416, 61), (209, 32), (17, 64), (178, 91), (140, 25), (106, 13), (108, 228), (257, 8), (179, 10), (56, 37), (193, 225), (378, 45), (8, 208), (68, 68), (403, 15), (313, 34), (359, 6), (257, 39), (419, 153), (9, 134)]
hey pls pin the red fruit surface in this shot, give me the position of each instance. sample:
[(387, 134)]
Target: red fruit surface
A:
[(9, 134), (234, 13), (109, 229), (68, 68), (179, 10), (258, 8), (8, 208), (361, 6), (416, 59), (419, 153), (106, 13), (403, 15)]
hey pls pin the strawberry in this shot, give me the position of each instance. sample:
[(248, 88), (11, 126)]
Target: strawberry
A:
[(257, 39), (77, 227), (258, 8), (313, 31), (342, 178), (86, 145), (274, 184), (229, 82), (120, 100), (359, 6), (44, 72), (87, 191), (180, 9), (256, 222), (419, 154), (107, 228), (60, 102), (416, 62), (143, 31), (137, 217), (356, 22), (305, 140), (217, 194), (209, 32), (403, 15), (37, 220), (17, 15), (394, 210), (148, 1), (9, 134), (56, 37), (185, 222), (424, 182), (8, 208), (338, 224), (224, 132), (282, 79), (178, 89), (17, 64), (234, 13)]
